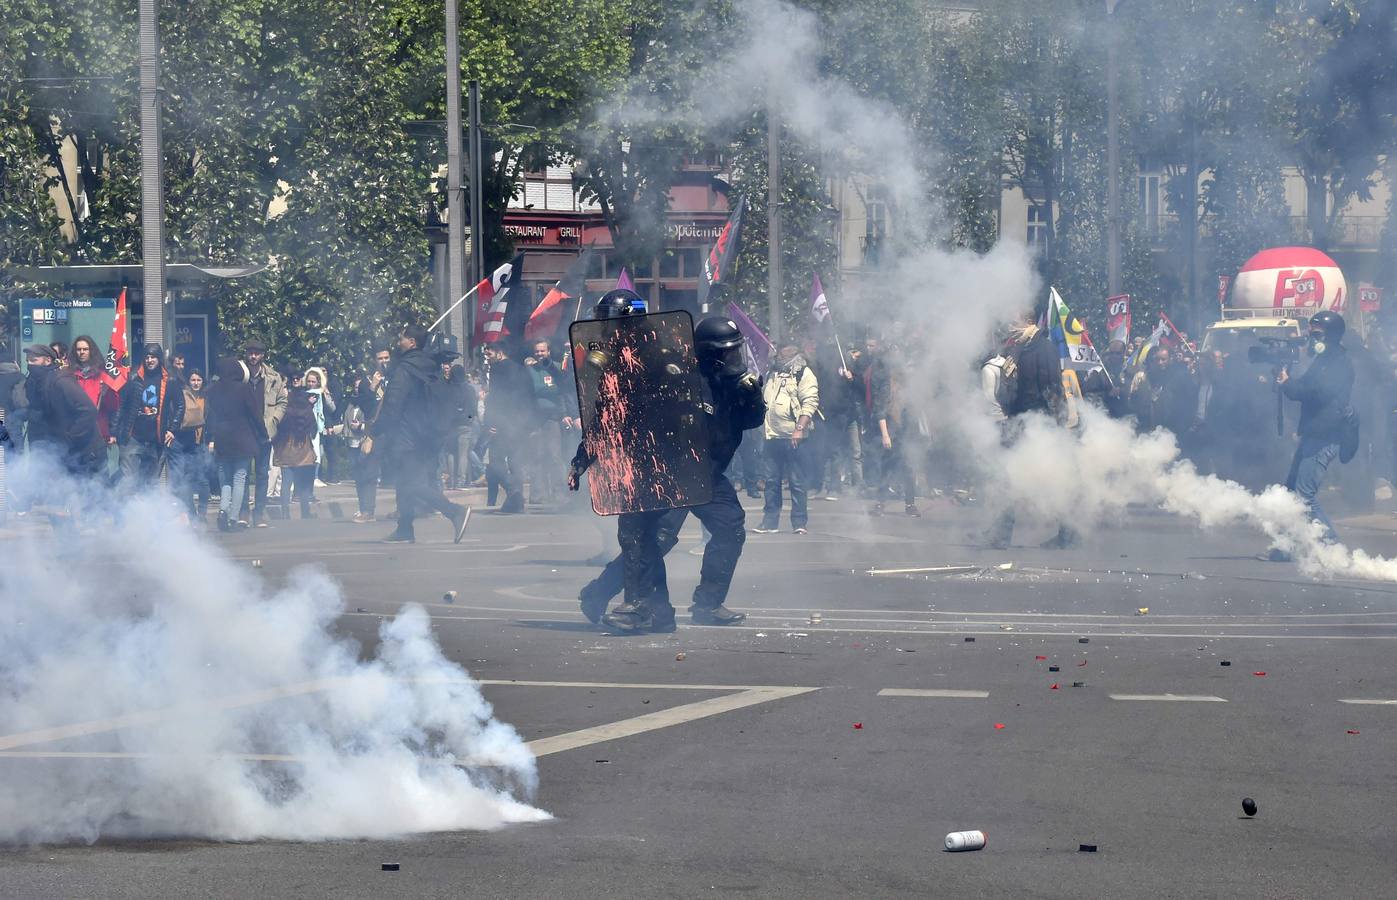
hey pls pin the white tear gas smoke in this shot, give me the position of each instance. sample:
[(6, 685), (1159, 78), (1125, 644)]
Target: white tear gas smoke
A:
[(216, 707), (959, 301)]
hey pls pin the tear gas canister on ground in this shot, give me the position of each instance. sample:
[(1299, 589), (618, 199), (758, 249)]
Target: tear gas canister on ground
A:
[(965, 840)]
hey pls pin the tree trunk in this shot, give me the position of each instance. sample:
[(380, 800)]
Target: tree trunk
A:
[(1317, 211)]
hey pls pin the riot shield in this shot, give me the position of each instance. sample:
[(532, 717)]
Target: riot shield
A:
[(641, 400)]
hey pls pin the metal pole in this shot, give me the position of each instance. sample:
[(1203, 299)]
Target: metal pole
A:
[(455, 209), (1113, 188), (152, 177), (773, 222), (477, 162)]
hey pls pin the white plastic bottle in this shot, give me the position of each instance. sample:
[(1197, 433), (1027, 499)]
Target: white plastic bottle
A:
[(965, 840)]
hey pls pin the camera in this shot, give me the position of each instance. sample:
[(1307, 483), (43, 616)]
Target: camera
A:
[(1277, 352)]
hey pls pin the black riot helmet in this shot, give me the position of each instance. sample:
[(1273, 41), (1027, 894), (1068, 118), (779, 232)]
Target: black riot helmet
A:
[(1326, 330), (620, 302), (718, 344)]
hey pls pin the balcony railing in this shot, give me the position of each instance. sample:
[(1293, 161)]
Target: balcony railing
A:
[(1350, 232)]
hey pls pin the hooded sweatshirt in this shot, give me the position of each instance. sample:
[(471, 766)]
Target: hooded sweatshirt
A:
[(791, 391)]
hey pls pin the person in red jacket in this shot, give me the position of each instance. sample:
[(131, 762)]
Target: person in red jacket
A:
[(87, 369)]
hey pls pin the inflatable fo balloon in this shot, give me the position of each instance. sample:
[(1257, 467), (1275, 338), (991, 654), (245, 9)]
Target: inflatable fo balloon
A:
[(1290, 278)]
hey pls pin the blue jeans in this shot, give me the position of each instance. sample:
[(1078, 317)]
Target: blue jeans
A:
[(1312, 460), (784, 462), (232, 483)]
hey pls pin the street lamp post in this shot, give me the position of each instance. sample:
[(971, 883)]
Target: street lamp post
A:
[(152, 177), (455, 209), (1113, 188)]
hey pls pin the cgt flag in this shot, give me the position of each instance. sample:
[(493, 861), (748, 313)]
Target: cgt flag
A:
[(717, 267), (552, 313), (118, 364), (492, 301), (820, 319)]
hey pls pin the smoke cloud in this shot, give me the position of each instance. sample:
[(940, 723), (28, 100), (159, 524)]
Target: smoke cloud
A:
[(958, 301), (235, 710)]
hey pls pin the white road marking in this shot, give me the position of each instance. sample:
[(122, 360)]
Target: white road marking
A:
[(1367, 702), (932, 692), (1174, 698), (664, 718), (928, 570)]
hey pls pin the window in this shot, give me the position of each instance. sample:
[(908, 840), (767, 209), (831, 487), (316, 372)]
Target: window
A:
[(693, 263), (1037, 226), (1149, 203), (669, 264)]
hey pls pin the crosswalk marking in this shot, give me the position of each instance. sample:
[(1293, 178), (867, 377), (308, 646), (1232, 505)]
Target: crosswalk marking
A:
[(1363, 701), (933, 692)]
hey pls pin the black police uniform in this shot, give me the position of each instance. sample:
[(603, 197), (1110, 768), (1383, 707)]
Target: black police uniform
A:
[(732, 402)]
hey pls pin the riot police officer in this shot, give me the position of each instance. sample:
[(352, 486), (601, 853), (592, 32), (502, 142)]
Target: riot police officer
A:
[(732, 403)]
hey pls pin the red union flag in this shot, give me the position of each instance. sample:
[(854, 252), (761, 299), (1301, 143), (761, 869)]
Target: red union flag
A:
[(118, 363), (717, 267), (492, 300), (1118, 318)]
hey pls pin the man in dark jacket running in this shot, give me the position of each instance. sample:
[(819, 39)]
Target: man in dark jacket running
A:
[(410, 432), (1038, 388), (1323, 392)]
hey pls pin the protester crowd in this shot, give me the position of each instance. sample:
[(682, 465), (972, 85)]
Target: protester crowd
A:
[(842, 422)]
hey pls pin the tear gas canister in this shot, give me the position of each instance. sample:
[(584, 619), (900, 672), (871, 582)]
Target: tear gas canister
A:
[(965, 840)]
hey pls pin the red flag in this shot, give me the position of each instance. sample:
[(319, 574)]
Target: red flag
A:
[(492, 299), (118, 364), (548, 317), (717, 267)]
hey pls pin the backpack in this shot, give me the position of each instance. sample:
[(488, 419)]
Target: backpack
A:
[(433, 413), (1006, 393)]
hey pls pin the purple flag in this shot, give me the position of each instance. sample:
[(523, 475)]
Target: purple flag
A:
[(624, 283), (819, 306), (758, 347)]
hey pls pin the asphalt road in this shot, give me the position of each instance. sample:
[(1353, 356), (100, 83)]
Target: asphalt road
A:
[(825, 747)]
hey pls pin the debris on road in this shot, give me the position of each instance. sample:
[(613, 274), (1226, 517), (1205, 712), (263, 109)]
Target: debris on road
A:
[(1225, 662), (1040, 657), (1249, 806), (1079, 684), (1084, 640), (1142, 611), (448, 597), (998, 726), (958, 841), (1081, 664), (257, 563), (1054, 687), (858, 726), (1054, 668), (1259, 674), (680, 657), (1352, 731), (390, 867), (970, 640), (1086, 848), (360, 609)]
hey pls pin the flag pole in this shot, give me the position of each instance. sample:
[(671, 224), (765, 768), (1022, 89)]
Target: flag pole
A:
[(452, 309)]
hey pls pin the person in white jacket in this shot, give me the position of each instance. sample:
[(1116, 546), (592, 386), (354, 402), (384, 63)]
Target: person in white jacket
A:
[(792, 396)]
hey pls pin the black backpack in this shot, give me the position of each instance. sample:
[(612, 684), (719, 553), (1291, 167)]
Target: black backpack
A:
[(433, 411)]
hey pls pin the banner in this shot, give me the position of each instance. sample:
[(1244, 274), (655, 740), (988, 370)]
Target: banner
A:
[(717, 266), (118, 363), (1224, 282), (1118, 318), (1073, 343)]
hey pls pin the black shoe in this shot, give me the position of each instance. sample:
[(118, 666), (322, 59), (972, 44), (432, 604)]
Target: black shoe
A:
[(913, 511), (397, 537), (513, 505), (662, 620), (593, 605), (715, 615), (877, 510), (459, 523), (627, 619), (223, 523)]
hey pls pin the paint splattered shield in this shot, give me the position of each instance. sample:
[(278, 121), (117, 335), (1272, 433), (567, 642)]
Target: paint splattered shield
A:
[(641, 399)]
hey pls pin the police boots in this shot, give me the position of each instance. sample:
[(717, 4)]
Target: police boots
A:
[(715, 615), (639, 618)]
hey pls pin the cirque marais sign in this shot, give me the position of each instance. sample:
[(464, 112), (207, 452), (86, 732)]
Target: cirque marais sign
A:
[(641, 401)]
